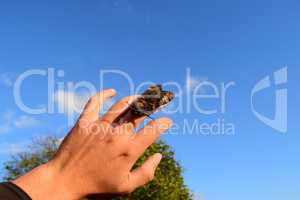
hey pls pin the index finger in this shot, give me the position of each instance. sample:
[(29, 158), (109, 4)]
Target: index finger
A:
[(92, 108)]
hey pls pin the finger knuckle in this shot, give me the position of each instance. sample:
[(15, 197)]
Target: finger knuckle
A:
[(83, 123)]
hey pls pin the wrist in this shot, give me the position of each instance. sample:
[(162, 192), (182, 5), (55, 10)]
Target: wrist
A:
[(47, 183)]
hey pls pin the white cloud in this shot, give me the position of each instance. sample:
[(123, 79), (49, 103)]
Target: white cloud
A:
[(70, 102), (5, 120), (25, 122), (6, 80), (8, 121)]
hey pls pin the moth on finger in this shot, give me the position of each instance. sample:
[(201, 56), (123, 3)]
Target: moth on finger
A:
[(153, 99)]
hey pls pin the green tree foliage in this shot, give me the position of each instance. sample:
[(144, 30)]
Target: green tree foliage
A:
[(167, 185), (39, 152)]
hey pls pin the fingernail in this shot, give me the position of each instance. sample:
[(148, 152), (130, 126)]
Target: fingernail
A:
[(113, 90)]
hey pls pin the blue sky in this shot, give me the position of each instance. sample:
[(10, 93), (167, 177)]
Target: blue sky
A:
[(220, 41)]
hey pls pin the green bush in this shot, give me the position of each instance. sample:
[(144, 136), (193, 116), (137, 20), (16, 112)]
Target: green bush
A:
[(167, 185)]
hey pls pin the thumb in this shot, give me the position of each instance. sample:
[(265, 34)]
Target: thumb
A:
[(144, 174)]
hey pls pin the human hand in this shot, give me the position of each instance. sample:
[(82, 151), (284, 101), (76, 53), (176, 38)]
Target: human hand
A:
[(97, 157)]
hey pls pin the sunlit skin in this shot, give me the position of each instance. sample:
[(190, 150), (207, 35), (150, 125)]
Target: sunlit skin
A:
[(97, 157)]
